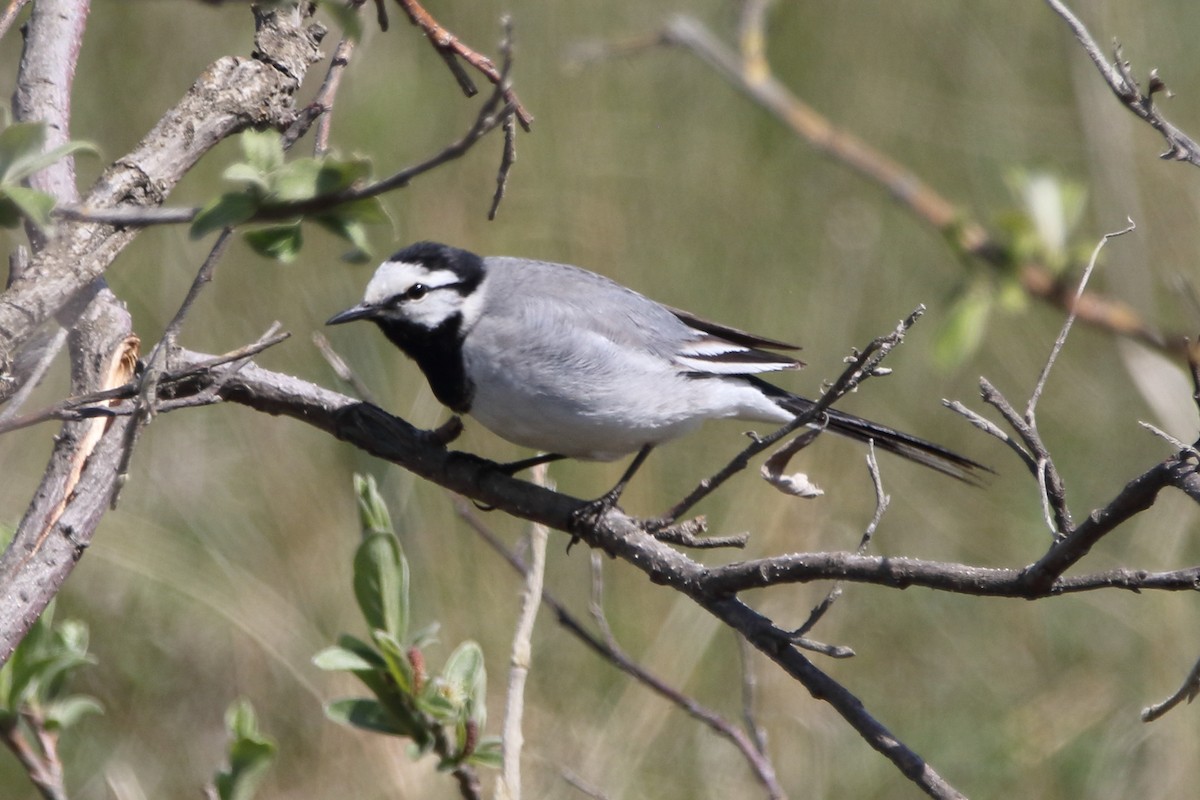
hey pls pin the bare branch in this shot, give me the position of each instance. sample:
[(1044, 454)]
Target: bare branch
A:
[(1180, 146), (231, 95), (36, 748), (1066, 328), (967, 236), (861, 366), (1187, 691), (508, 787), (611, 652), (388, 437), (490, 117), (450, 46), (882, 501), (9, 15)]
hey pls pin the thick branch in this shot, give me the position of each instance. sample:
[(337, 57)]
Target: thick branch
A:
[(231, 95), (393, 439), (84, 471)]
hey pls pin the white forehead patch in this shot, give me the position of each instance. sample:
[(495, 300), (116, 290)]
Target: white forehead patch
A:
[(395, 277)]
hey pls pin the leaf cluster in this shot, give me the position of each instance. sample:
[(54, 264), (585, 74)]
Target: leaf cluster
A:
[(250, 754), (272, 187), (1041, 228), (33, 684), (21, 155), (443, 713)]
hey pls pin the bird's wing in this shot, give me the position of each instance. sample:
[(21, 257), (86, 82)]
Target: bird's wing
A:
[(735, 335), (716, 349), (558, 298)]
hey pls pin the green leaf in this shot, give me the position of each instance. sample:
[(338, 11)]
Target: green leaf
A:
[(377, 677), (336, 175), (30, 163), (30, 203), (242, 172), (963, 330), (465, 671), (488, 753), (250, 754), (296, 180), (339, 659), (373, 512), (398, 665), (263, 149), (44, 661), (231, 208), (351, 230), (361, 649), (18, 141), (366, 714), (425, 636), (280, 242), (66, 712), (381, 584), (441, 701)]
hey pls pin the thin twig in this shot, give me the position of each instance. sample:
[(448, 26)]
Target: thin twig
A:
[(1169, 439), (1050, 484), (966, 235), (30, 381), (39, 757), (342, 369), (758, 734), (86, 406), (861, 366), (759, 763), (582, 786), (9, 16), (1187, 691), (882, 501), (992, 429), (1066, 328), (490, 117), (1180, 146), (328, 92), (449, 46), (509, 155), (508, 787)]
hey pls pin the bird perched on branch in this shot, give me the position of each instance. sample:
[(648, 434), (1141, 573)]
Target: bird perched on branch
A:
[(568, 362)]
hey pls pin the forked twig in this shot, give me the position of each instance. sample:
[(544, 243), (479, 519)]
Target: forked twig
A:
[(450, 48), (882, 501), (1180, 146), (862, 366), (1071, 314)]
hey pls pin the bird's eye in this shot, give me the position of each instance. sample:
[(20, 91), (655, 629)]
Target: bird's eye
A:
[(416, 292)]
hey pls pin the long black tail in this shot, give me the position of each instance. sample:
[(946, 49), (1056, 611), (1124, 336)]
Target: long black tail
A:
[(921, 451)]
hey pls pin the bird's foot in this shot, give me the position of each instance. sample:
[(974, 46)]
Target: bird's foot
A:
[(588, 515)]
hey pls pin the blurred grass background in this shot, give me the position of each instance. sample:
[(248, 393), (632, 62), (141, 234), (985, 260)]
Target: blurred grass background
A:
[(228, 564)]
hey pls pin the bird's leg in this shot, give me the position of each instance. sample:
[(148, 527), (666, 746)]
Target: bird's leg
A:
[(591, 512), (513, 467), (610, 498)]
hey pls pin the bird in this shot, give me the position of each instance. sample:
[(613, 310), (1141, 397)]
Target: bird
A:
[(570, 363)]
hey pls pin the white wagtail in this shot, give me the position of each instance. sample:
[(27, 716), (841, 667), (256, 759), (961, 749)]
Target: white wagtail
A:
[(568, 362)]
